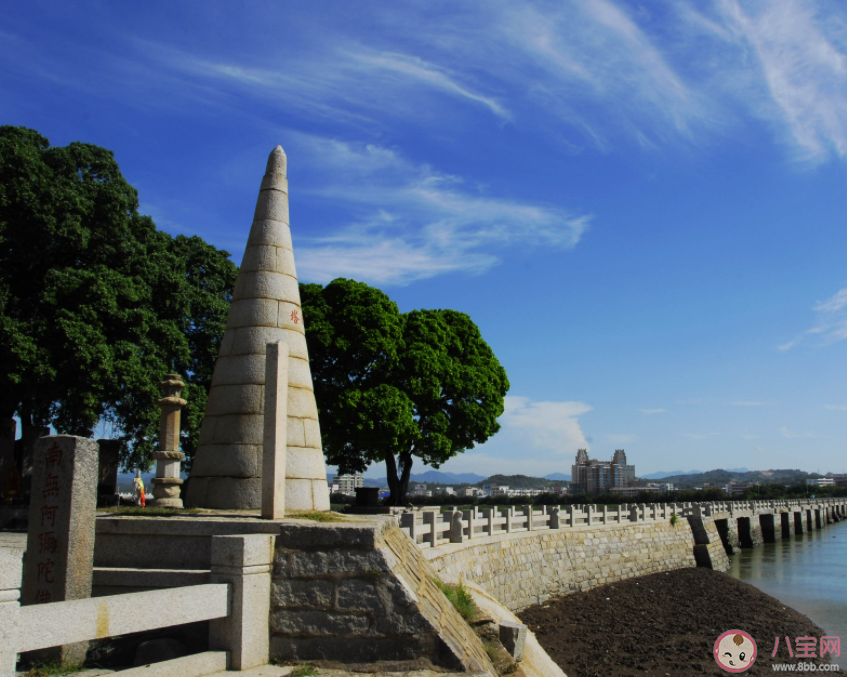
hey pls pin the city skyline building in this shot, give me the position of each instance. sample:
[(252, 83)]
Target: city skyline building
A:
[(593, 476)]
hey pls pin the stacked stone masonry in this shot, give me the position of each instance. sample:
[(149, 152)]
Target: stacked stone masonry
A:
[(363, 592), (265, 309)]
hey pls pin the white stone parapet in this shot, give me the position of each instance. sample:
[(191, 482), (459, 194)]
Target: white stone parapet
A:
[(429, 527)]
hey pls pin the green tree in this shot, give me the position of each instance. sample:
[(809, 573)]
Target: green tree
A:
[(393, 386), (96, 304)]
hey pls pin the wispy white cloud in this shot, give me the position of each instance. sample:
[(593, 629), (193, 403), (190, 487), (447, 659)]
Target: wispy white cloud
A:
[(620, 439), (653, 411), (410, 222), (750, 437), (837, 407), (550, 426), (801, 53), (831, 322), (340, 79)]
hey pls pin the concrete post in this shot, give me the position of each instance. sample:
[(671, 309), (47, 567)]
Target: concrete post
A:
[(469, 516), (527, 510), (589, 516), (166, 483), (60, 542), (245, 563), (275, 437), (489, 515), (554, 517), (509, 510), (571, 517)]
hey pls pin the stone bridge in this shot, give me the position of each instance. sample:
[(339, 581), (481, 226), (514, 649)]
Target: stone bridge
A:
[(524, 554)]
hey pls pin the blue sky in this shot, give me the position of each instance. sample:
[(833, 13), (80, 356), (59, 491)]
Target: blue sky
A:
[(641, 205)]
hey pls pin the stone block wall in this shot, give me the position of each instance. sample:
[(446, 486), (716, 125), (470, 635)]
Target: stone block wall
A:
[(361, 592), (527, 568)]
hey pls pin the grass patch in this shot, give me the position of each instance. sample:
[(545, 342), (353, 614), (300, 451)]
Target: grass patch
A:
[(316, 516), (461, 598), (674, 519), (148, 512), (304, 671), (53, 669), (499, 657)]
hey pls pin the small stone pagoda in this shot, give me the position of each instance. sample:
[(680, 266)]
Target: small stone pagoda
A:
[(227, 470)]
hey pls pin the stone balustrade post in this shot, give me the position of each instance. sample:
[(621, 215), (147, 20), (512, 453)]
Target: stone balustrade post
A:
[(489, 516), (508, 516), (470, 515), (429, 526), (527, 510), (644, 511), (166, 483), (554, 517), (589, 515), (633, 514), (245, 562), (456, 529), (605, 514), (408, 520), (571, 516), (11, 570)]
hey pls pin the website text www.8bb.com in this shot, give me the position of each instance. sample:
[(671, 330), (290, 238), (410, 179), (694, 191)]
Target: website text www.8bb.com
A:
[(805, 667)]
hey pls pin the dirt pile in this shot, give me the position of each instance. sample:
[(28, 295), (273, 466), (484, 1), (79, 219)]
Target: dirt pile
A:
[(664, 624)]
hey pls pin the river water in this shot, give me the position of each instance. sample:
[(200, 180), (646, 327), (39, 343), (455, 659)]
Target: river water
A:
[(808, 573)]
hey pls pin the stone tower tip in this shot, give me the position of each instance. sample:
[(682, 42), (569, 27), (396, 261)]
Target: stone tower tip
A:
[(277, 162)]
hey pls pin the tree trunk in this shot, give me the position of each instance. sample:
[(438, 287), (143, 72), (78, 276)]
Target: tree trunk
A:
[(398, 485)]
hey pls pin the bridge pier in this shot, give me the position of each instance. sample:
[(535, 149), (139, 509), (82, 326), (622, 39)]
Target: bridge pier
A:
[(799, 522), (785, 524), (728, 531), (771, 527)]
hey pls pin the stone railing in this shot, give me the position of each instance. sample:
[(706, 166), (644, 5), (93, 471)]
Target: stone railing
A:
[(236, 602), (429, 527)]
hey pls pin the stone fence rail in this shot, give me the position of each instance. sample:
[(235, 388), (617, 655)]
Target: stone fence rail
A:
[(429, 527), (236, 601)]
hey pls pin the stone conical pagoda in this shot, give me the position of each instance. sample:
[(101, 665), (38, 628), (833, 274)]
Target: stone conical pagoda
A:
[(227, 470)]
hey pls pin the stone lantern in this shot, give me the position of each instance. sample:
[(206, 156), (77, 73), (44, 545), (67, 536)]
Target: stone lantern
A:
[(166, 483)]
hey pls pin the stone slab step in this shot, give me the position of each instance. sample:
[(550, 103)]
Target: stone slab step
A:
[(196, 665)]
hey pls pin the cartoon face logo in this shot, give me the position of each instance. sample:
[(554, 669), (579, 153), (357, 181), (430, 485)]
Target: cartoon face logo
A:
[(735, 651)]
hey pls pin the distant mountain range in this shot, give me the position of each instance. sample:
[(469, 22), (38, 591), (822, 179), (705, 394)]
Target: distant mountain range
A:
[(449, 478), (674, 473), (430, 476)]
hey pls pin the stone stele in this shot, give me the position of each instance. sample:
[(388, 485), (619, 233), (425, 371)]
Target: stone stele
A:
[(265, 308), (60, 545)]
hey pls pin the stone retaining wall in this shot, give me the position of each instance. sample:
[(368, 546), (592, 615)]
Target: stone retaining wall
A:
[(527, 568), (361, 593)]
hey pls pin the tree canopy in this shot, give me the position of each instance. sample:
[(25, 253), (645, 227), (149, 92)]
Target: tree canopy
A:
[(392, 386), (96, 304)]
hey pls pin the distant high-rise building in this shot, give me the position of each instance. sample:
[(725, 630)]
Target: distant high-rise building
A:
[(598, 477)]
